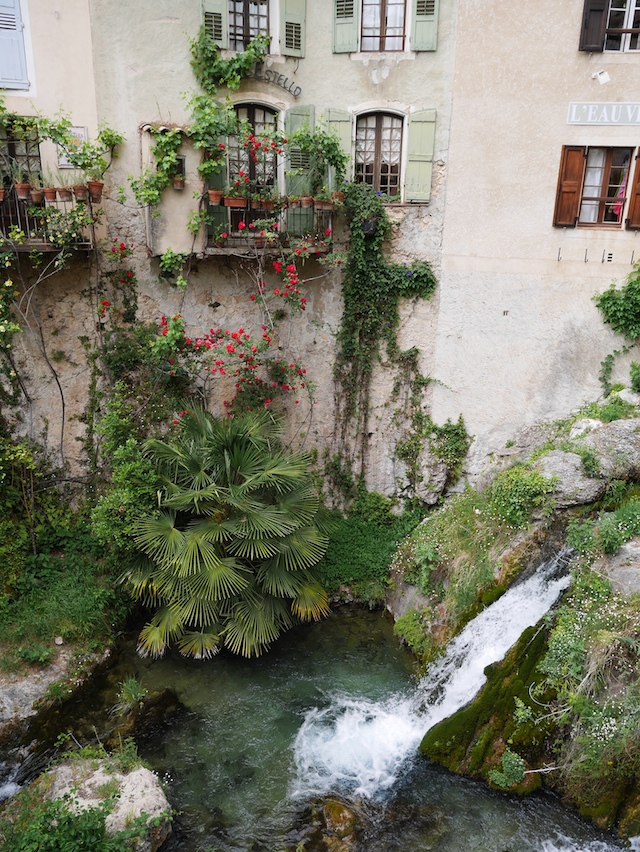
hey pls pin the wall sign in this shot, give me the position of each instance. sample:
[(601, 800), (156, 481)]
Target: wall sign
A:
[(604, 113), (270, 75)]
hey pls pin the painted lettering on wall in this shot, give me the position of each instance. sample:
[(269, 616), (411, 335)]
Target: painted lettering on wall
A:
[(607, 113), (270, 75)]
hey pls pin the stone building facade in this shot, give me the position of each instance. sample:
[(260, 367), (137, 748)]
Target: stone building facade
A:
[(499, 141)]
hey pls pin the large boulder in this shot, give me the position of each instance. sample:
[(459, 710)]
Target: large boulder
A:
[(572, 486), (137, 792)]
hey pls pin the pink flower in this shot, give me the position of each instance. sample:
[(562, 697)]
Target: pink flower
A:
[(241, 226)]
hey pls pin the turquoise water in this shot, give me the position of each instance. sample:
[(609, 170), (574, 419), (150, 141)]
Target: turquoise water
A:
[(233, 775)]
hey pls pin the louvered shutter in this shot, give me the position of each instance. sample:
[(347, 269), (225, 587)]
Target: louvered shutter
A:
[(299, 221), (13, 62), (340, 121), (422, 129), (424, 27), (569, 186), (292, 27), (216, 22), (345, 26), (594, 22), (632, 222)]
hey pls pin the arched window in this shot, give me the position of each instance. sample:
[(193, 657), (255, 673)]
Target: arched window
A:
[(262, 170), (378, 151)]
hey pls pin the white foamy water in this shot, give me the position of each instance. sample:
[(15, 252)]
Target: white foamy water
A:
[(360, 746)]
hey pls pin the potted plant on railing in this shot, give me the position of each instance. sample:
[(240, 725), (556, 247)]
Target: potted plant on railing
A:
[(323, 151), (91, 159), (20, 180), (237, 193), (211, 125)]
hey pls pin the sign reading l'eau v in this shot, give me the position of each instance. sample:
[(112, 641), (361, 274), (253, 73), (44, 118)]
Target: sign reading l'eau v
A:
[(604, 113)]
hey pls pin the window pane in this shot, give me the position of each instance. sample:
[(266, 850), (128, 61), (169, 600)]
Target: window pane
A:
[(383, 24), (605, 185), (247, 18), (378, 151)]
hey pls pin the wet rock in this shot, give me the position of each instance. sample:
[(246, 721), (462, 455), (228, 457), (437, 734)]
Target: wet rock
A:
[(143, 721)]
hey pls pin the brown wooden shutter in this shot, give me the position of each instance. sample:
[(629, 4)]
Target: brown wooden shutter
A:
[(569, 186), (594, 22), (632, 222)]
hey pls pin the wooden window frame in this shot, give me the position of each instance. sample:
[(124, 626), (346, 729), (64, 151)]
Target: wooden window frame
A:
[(570, 194), (594, 31), (382, 35), (377, 155), (247, 34)]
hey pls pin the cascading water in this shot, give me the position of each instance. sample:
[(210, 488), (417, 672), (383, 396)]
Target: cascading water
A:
[(358, 746)]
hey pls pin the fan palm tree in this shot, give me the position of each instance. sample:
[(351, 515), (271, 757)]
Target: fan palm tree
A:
[(227, 559)]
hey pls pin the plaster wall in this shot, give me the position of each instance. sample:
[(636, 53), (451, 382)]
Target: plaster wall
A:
[(59, 53), (519, 338)]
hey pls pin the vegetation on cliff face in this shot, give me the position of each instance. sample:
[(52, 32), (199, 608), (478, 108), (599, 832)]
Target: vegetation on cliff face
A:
[(456, 556)]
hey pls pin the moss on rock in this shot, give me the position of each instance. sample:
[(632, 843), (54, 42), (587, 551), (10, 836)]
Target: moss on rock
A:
[(472, 741)]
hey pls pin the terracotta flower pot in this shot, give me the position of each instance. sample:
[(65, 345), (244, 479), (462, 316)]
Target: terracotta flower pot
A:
[(81, 192), (215, 196), (178, 181), (36, 195), (23, 190), (322, 204), (1, 193), (64, 193), (306, 201), (95, 188), (238, 203), (50, 193)]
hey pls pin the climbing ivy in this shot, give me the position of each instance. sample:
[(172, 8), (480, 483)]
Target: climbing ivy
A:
[(621, 309), (212, 71), (372, 290)]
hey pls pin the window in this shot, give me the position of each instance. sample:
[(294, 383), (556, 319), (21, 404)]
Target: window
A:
[(13, 63), (247, 18), (260, 171), (594, 188), (610, 25), (382, 25), (376, 25), (378, 151)]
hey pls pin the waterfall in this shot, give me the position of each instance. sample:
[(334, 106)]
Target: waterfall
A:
[(359, 746)]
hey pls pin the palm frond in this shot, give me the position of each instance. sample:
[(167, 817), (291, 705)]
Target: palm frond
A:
[(311, 603), (199, 645)]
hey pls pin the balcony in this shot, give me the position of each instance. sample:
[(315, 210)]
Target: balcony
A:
[(296, 225), (33, 224)]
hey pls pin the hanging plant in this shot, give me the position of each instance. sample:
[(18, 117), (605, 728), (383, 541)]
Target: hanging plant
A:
[(212, 71), (148, 188)]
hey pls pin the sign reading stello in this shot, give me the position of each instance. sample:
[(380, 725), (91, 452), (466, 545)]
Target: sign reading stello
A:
[(270, 75)]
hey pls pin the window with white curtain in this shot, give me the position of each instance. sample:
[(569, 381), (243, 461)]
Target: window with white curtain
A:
[(383, 25), (378, 151)]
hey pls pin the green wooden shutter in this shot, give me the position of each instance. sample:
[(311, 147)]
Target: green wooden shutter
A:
[(422, 130), (594, 21), (424, 26), (292, 27), (216, 21), (13, 63), (299, 221), (345, 26), (340, 121)]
